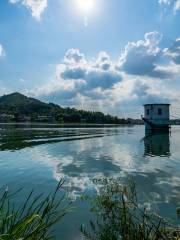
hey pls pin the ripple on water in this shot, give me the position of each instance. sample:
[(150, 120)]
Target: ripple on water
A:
[(38, 157)]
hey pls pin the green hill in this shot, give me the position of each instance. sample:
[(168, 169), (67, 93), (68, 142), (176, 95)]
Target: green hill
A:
[(17, 103), (20, 105)]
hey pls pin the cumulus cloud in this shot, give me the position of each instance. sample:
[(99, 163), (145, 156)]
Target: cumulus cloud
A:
[(103, 61), (22, 80), (36, 7), (174, 3), (142, 57), (91, 74), (73, 56), (177, 5), (80, 80), (2, 51), (4, 89), (144, 92), (135, 91), (140, 75), (168, 2), (174, 51)]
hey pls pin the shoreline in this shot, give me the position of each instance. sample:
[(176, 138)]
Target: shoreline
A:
[(66, 124)]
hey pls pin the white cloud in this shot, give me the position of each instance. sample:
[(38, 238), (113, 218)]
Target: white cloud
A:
[(104, 61), (3, 89), (73, 56), (21, 80), (141, 57), (143, 72), (78, 81), (36, 7), (177, 5), (88, 74), (174, 51), (98, 84), (2, 51), (168, 2), (174, 3)]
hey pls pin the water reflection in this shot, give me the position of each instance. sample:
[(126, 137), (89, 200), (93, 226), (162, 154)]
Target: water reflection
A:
[(38, 157), (16, 138), (157, 143)]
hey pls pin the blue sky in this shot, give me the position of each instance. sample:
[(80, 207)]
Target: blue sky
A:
[(112, 56)]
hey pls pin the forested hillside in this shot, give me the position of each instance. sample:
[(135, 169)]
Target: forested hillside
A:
[(21, 106)]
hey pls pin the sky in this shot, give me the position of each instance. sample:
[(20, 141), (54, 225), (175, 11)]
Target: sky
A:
[(101, 55)]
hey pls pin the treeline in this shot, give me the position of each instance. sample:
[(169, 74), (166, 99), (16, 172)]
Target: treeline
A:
[(73, 115), (67, 115), (18, 107)]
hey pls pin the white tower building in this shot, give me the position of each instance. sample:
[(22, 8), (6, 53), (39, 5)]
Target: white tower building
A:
[(157, 116)]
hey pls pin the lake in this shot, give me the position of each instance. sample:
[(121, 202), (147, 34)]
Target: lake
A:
[(38, 156)]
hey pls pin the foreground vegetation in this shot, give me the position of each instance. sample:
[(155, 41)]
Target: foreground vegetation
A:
[(118, 216), (33, 219)]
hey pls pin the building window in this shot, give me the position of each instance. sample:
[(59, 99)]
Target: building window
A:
[(147, 111), (159, 111)]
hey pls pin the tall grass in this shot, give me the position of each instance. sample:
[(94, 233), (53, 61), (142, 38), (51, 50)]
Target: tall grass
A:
[(119, 216), (33, 220)]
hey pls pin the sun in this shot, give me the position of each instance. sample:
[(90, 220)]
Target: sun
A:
[(85, 6)]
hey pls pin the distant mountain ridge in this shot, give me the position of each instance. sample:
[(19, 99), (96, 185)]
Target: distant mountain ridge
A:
[(20, 105), (17, 98)]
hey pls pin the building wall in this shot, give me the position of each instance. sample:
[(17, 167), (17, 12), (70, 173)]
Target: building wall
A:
[(153, 112)]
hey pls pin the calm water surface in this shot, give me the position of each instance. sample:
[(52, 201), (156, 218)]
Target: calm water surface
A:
[(37, 157)]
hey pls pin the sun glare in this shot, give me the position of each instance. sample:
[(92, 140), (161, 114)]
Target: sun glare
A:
[(85, 6)]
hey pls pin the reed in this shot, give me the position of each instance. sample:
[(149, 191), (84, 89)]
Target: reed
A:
[(34, 218), (119, 216)]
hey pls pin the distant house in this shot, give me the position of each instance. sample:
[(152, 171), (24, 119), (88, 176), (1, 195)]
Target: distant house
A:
[(6, 117), (23, 118), (45, 118)]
